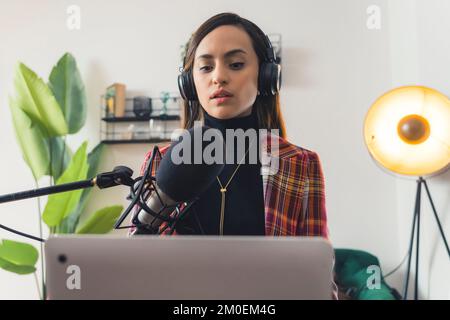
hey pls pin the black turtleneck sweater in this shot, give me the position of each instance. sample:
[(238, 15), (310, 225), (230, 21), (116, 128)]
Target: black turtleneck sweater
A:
[(244, 206)]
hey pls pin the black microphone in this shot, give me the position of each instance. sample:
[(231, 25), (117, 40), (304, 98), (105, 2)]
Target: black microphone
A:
[(184, 173)]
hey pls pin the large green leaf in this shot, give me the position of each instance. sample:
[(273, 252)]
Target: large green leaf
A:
[(68, 225), (102, 221), (60, 156), (61, 205), (67, 86), (94, 159), (18, 257), (32, 140), (37, 100)]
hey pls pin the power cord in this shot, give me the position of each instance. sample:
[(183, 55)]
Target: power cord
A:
[(397, 267)]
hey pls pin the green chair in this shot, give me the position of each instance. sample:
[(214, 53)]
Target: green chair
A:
[(352, 273)]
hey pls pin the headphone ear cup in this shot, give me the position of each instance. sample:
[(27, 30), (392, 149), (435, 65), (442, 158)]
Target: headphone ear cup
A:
[(269, 78), (276, 78), (280, 74), (186, 86), (181, 86), (262, 79)]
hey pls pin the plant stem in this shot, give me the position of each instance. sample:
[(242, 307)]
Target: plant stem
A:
[(63, 154), (51, 180), (37, 285), (42, 244), (58, 228), (51, 161)]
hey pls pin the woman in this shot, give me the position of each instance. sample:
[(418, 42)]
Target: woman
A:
[(230, 81)]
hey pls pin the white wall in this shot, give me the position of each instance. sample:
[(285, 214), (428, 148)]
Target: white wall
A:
[(334, 68), (420, 55)]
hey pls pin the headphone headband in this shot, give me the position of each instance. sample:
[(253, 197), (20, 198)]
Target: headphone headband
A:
[(269, 49)]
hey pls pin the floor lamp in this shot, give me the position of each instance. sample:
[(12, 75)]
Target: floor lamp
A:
[(407, 131)]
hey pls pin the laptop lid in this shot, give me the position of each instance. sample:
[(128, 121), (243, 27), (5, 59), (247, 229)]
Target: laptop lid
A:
[(188, 267)]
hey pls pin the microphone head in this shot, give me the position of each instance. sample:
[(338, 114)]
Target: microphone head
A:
[(191, 164)]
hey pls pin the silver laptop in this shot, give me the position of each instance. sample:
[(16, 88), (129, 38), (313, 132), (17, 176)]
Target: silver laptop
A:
[(188, 267)]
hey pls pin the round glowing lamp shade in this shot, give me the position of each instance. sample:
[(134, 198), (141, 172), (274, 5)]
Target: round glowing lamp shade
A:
[(407, 130)]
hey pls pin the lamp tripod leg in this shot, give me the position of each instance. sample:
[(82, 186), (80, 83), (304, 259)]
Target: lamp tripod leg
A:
[(411, 242), (437, 219), (416, 283)]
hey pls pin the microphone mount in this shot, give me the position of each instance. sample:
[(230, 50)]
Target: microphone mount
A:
[(140, 191), (120, 175)]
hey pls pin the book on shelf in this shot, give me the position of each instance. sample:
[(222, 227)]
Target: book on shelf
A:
[(115, 100)]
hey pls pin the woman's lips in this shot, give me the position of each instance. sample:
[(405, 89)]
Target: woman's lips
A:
[(220, 100)]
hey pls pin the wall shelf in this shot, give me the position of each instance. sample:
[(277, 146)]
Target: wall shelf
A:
[(141, 119), (132, 141), (129, 128)]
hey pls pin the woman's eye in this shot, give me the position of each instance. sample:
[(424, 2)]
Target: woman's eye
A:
[(205, 68), (237, 65)]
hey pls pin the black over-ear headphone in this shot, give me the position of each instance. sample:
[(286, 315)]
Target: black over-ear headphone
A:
[(269, 79)]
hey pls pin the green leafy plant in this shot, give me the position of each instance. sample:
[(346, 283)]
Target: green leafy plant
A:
[(43, 115)]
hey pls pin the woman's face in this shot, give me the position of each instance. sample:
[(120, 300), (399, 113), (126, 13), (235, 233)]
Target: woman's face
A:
[(225, 59)]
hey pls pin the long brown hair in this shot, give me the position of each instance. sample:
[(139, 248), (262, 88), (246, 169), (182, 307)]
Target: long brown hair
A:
[(267, 107)]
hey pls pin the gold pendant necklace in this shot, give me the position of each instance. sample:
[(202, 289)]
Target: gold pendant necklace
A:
[(223, 191)]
